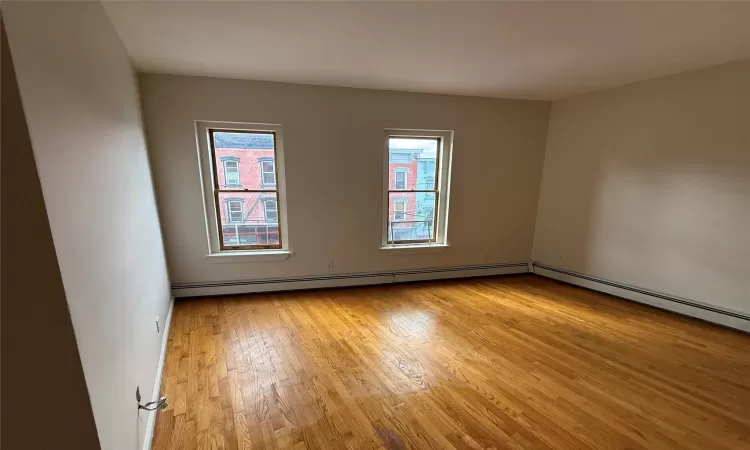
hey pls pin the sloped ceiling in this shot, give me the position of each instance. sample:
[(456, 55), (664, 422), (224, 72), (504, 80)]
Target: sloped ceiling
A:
[(528, 50)]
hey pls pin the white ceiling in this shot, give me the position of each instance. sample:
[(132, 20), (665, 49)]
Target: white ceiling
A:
[(529, 50)]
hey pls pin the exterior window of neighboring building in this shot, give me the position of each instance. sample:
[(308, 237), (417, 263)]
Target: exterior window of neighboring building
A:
[(399, 210), (267, 172), (231, 172), (271, 210), (234, 209), (244, 191), (416, 209), (400, 179)]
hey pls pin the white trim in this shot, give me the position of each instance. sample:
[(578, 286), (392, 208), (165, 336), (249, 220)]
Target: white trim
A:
[(406, 207), (237, 170), (149, 435), (207, 182), (229, 211), (414, 249), (353, 279), (656, 299), (248, 256)]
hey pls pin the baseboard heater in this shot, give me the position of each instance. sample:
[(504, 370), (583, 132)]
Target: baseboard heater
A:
[(709, 313), (341, 280)]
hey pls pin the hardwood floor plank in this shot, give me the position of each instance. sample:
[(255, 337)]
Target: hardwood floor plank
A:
[(511, 362)]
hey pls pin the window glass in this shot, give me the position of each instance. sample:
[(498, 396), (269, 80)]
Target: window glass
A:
[(412, 191), (245, 189)]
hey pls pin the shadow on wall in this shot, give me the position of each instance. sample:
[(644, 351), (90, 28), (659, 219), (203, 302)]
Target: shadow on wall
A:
[(649, 185), (39, 353)]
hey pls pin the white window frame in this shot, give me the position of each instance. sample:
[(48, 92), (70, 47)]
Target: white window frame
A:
[(263, 174), (405, 171), (205, 165), (265, 209), (442, 188), (406, 207), (226, 177), (229, 210)]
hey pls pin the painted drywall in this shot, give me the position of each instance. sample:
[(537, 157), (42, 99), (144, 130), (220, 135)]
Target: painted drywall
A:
[(80, 97), (333, 145), (649, 185), (35, 314), (505, 49)]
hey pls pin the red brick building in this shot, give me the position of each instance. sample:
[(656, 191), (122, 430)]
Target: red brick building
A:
[(246, 161)]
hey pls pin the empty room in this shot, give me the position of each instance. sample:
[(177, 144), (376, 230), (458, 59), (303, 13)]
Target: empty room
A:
[(375, 225)]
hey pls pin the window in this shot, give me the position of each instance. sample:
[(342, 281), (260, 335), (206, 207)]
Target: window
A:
[(231, 172), (267, 172), (243, 212), (234, 210), (271, 211), (399, 175), (399, 210), (416, 209)]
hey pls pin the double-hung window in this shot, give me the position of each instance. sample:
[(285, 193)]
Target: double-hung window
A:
[(399, 210), (271, 210), (268, 172), (417, 168), (399, 178), (234, 210), (231, 171), (241, 165)]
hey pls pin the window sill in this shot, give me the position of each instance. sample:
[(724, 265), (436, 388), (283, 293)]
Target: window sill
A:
[(248, 256), (416, 249)]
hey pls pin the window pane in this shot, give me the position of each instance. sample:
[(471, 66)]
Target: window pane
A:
[(411, 163), (244, 218), (411, 216), (241, 159), (400, 177), (268, 173), (271, 210)]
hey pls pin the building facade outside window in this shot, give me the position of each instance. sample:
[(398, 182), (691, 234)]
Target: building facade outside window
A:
[(231, 166), (234, 210), (243, 186), (417, 164)]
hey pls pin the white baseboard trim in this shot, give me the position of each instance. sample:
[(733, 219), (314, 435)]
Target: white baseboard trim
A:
[(351, 279), (149, 436), (692, 308)]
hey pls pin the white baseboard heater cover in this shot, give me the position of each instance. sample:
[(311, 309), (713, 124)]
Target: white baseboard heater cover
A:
[(341, 280), (709, 313)]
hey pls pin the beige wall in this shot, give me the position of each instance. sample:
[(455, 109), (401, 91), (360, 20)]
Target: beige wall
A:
[(333, 144), (80, 98), (41, 364), (649, 185)]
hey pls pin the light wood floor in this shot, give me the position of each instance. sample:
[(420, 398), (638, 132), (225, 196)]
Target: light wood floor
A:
[(506, 362)]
